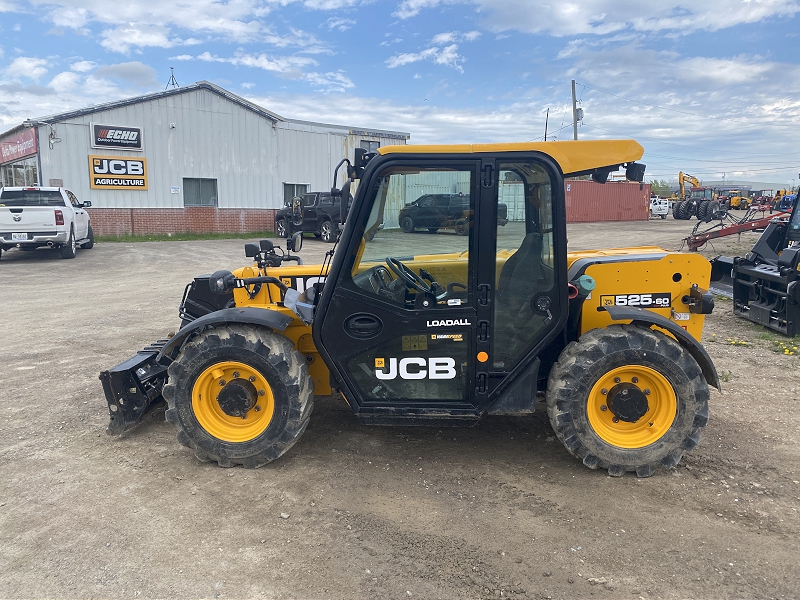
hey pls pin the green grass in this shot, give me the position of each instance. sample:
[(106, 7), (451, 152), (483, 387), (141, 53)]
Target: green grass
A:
[(185, 237), (725, 375), (766, 335)]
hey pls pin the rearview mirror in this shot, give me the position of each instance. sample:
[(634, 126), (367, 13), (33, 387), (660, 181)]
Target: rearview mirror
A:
[(295, 243), (251, 250), (635, 172)]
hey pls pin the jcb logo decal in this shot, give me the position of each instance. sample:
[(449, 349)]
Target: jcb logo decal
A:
[(301, 284), (415, 367), (118, 173)]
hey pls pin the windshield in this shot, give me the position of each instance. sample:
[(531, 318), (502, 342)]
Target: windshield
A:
[(31, 198)]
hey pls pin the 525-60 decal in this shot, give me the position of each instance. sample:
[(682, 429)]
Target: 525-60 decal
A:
[(643, 300)]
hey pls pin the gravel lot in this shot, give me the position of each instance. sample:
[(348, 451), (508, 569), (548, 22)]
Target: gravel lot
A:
[(497, 511)]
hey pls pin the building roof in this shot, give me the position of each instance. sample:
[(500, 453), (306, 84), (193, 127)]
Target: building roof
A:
[(200, 85)]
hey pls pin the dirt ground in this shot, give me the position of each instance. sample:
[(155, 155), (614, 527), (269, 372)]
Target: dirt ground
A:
[(497, 511)]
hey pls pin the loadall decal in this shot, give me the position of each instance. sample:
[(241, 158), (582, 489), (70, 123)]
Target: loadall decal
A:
[(643, 300), (117, 173), (416, 367)]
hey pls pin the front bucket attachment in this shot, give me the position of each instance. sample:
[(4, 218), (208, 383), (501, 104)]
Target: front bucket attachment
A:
[(132, 387), (722, 276)]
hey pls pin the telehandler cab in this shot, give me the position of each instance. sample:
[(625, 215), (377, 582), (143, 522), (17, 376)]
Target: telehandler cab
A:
[(435, 328)]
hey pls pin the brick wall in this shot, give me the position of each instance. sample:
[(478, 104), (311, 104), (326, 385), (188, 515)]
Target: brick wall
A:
[(143, 221)]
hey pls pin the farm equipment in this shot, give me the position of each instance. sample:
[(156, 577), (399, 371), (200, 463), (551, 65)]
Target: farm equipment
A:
[(766, 282), (699, 201), (439, 329)]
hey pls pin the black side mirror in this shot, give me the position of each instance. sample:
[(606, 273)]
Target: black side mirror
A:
[(344, 203), (635, 172), (251, 250), (266, 245), (295, 243)]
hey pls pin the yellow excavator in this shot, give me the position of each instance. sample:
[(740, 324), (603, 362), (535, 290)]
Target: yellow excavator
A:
[(699, 201)]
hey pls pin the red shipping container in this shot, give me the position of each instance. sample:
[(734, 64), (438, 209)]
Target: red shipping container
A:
[(588, 201)]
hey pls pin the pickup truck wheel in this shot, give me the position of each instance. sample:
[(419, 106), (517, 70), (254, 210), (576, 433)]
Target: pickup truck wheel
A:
[(239, 395), (69, 249), (280, 228), (90, 239), (626, 398), (407, 224), (327, 233), (461, 227)]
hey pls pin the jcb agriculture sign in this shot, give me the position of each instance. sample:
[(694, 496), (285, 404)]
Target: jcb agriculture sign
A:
[(118, 173)]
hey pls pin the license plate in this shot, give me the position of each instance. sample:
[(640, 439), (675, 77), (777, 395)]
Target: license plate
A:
[(19, 237)]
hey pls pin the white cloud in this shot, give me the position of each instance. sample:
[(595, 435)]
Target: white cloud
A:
[(26, 67), (602, 17), (339, 24), (447, 56), (65, 81), (121, 39), (83, 66)]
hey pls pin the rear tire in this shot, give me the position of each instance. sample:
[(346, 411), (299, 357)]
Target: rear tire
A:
[(90, 243), (660, 392), (69, 249), (712, 211), (239, 395), (702, 210), (407, 224), (677, 210)]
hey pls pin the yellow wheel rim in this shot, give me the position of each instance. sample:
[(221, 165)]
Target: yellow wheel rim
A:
[(652, 419), (233, 402)]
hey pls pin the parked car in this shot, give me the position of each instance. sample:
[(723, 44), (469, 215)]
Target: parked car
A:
[(659, 207), (317, 213), (31, 217), (437, 211)]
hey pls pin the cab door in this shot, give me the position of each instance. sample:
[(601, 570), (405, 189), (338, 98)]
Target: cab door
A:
[(522, 289), (399, 323)]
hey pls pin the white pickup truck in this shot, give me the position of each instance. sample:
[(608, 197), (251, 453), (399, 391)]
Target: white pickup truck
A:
[(31, 217)]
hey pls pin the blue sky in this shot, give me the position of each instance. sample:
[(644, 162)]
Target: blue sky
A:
[(711, 88)]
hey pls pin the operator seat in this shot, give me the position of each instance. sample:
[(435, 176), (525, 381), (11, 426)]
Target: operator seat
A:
[(521, 278)]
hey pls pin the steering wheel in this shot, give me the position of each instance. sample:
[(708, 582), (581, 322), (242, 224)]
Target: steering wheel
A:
[(408, 276)]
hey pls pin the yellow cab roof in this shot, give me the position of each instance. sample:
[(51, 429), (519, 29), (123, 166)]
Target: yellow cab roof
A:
[(571, 156)]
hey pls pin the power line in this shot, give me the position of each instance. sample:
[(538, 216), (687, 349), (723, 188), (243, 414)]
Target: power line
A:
[(683, 112)]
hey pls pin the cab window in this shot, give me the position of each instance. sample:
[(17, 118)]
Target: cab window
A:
[(426, 264)]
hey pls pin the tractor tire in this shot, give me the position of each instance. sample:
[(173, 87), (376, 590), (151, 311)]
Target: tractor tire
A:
[(327, 232), (679, 211), (713, 210), (239, 395), (70, 249), (89, 243), (702, 210), (407, 224), (660, 393), (280, 228)]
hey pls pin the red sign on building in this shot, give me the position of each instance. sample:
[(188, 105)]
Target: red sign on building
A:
[(18, 146)]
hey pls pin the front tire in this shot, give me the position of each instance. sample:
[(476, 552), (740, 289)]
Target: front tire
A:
[(626, 398), (239, 395), (90, 241), (407, 224), (69, 249), (327, 233)]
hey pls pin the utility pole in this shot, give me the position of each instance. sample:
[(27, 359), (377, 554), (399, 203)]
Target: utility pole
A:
[(546, 117), (574, 113)]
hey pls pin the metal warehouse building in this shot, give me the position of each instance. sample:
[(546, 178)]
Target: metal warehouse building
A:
[(195, 158)]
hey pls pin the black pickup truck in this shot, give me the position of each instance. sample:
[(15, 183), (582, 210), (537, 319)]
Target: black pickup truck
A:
[(320, 216), (436, 211)]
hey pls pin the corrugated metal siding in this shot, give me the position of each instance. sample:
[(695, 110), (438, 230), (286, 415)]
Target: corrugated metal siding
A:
[(588, 201), (213, 138)]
